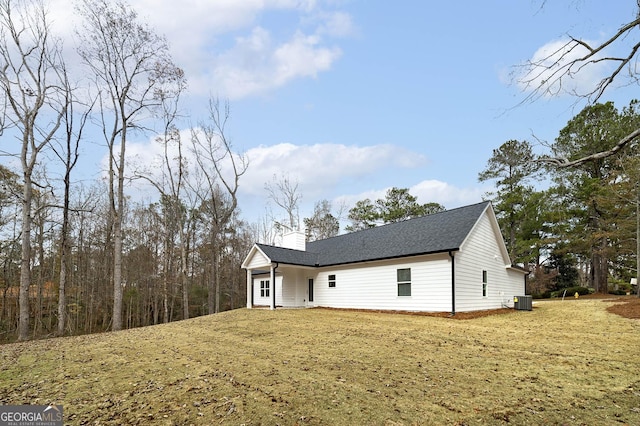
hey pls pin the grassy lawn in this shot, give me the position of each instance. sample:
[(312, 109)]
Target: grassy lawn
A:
[(569, 362)]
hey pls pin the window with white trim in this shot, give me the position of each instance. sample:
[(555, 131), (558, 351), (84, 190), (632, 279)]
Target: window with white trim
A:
[(264, 288), (404, 282)]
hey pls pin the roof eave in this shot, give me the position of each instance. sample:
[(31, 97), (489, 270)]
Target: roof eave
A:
[(378, 259)]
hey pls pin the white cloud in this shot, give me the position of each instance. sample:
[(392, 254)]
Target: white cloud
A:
[(320, 171), (255, 60), (426, 191), (320, 168), (547, 73), (302, 57), (450, 196), (336, 24), (256, 64), (225, 49)]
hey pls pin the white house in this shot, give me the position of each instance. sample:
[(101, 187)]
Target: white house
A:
[(453, 261)]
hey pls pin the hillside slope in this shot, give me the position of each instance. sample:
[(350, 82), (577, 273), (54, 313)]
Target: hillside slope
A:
[(565, 362)]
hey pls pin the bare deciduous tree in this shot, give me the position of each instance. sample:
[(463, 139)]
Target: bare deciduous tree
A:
[(323, 223), (33, 92), (68, 153), (129, 62), (171, 186), (212, 148), (284, 192)]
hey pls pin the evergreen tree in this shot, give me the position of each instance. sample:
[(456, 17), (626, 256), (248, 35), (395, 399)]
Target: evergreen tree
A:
[(398, 205), (516, 203), (587, 190)]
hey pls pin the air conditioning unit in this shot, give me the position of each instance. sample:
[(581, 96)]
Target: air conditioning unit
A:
[(523, 303)]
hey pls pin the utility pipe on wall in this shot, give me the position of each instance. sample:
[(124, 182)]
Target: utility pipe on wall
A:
[(273, 286), (453, 283)]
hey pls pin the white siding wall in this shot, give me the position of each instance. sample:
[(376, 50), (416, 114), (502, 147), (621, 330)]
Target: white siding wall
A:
[(291, 288), (482, 252), (266, 301), (295, 240), (258, 260), (294, 290), (374, 285)]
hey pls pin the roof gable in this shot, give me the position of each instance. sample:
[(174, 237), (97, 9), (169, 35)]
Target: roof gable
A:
[(435, 233), (256, 258)]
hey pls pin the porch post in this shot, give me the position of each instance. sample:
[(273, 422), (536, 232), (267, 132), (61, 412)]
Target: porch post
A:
[(249, 290)]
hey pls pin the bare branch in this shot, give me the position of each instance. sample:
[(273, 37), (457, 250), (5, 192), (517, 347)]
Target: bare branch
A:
[(545, 76), (564, 163), (285, 194)]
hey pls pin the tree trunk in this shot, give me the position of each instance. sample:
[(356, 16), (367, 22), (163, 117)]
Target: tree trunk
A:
[(183, 279), (165, 289), (599, 273), (62, 302), (213, 296), (211, 285), (117, 239), (217, 278), (25, 263), (38, 323), (117, 273)]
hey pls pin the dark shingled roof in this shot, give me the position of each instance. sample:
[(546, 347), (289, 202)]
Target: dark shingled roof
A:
[(435, 233)]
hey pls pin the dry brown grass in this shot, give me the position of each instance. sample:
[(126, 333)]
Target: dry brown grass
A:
[(570, 362)]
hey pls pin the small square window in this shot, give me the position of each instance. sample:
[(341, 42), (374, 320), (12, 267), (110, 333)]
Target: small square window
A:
[(332, 280)]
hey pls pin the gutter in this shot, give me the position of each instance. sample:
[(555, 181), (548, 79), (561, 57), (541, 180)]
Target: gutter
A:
[(453, 283), (273, 281)]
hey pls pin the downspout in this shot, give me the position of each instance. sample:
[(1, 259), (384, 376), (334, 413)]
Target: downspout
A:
[(273, 283), (453, 283)]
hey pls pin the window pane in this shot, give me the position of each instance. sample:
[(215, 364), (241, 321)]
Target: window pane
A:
[(404, 289), (484, 276), (404, 274), (332, 280)]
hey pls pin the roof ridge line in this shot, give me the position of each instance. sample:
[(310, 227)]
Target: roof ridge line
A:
[(405, 220)]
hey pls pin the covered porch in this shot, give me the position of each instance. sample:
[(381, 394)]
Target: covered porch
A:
[(281, 276), (273, 284)]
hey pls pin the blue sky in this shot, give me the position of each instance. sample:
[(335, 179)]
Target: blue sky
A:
[(352, 97)]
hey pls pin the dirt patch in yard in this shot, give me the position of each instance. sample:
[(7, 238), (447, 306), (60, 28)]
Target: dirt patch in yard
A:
[(627, 307), (458, 315)]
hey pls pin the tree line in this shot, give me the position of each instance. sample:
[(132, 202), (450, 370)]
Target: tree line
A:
[(583, 228), (80, 257)]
